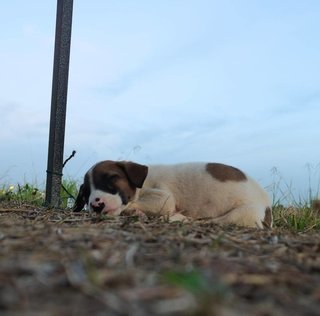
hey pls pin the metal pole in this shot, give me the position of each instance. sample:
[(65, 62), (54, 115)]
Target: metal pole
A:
[(59, 101)]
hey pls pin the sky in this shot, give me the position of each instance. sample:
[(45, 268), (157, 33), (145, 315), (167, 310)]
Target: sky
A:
[(233, 81)]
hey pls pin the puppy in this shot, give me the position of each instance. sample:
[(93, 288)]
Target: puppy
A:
[(196, 190)]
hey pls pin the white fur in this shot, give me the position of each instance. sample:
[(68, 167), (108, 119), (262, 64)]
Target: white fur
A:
[(113, 202), (190, 190)]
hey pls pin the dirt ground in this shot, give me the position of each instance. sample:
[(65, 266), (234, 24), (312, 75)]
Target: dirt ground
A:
[(59, 263)]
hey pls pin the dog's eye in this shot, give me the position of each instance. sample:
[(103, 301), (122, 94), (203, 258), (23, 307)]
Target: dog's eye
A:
[(114, 177), (110, 187), (108, 183), (109, 177)]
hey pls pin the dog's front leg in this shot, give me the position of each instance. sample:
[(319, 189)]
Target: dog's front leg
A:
[(152, 202)]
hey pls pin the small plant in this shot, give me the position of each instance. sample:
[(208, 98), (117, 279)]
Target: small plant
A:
[(22, 194), (192, 281), (198, 284), (6, 193), (283, 192), (69, 191), (296, 218), (31, 195), (292, 211)]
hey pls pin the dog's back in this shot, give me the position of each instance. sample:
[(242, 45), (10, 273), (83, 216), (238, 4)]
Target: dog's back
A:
[(211, 190)]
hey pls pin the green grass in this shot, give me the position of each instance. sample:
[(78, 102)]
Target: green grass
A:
[(22, 194), (299, 219), (28, 194), (292, 211), (283, 192), (72, 187), (196, 282)]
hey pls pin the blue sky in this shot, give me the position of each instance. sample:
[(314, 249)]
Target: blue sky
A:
[(164, 82)]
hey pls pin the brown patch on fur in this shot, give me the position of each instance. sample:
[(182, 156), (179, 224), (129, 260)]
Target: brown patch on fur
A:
[(126, 191), (267, 221), (135, 172), (225, 173)]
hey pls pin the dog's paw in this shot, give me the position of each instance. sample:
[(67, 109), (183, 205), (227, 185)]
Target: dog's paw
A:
[(134, 212), (177, 217)]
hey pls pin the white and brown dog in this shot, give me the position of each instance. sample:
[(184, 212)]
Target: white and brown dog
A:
[(196, 190)]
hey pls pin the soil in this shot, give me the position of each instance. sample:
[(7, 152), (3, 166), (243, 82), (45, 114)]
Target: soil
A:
[(55, 262)]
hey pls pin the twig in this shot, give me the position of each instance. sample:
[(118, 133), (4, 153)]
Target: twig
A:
[(71, 156), (65, 162)]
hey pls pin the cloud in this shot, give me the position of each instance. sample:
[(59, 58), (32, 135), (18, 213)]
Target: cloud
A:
[(19, 122), (166, 82)]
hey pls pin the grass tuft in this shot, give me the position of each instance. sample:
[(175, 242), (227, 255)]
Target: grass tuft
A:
[(31, 195), (67, 197), (299, 219), (22, 194), (197, 283)]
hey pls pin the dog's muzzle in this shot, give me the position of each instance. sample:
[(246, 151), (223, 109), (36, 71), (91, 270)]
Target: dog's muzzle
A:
[(97, 206)]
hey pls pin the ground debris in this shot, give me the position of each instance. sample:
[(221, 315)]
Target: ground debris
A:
[(55, 262)]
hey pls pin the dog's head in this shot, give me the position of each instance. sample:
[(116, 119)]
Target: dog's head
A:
[(109, 185)]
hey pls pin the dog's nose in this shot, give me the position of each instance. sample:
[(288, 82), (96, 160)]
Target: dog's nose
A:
[(97, 207)]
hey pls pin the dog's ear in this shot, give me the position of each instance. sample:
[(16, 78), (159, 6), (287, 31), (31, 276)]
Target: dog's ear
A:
[(136, 173), (80, 200)]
